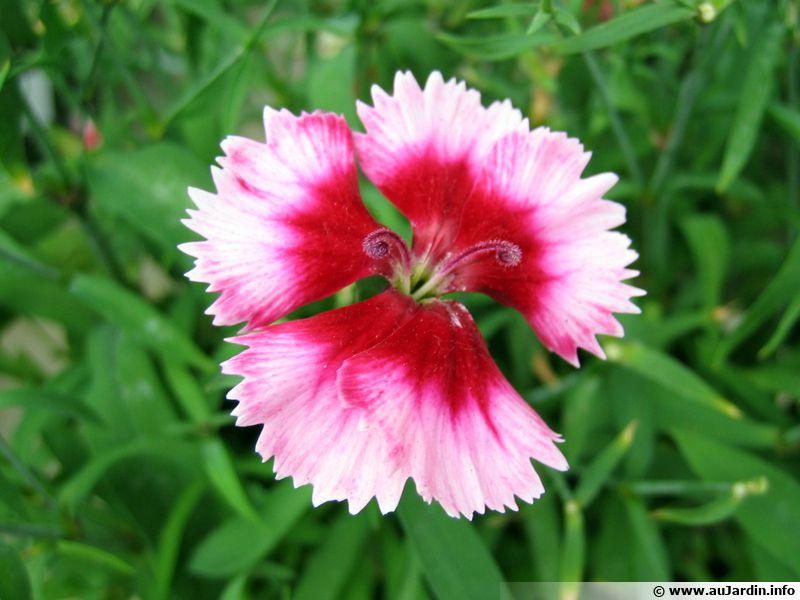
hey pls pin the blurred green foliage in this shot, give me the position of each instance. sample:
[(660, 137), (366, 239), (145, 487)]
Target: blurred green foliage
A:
[(121, 474)]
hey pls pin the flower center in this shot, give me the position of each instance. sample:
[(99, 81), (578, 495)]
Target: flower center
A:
[(417, 278)]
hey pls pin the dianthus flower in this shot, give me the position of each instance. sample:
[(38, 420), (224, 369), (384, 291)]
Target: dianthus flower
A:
[(359, 399)]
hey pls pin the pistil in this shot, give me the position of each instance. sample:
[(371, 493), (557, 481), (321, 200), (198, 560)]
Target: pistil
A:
[(385, 244)]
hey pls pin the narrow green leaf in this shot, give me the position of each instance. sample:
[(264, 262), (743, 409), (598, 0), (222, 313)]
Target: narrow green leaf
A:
[(755, 94), (147, 189), (710, 245), (330, 83), (170, 540), (629, 24), (329, 568), (539, 20), (573, 552), (28, 293), (236, 589), (40, 399), (786, 117), (453, 557), (11, 250), (582, 412), (208, 12), (12, 497), (668, 372), (782, 330), (220, 470), (139, 319), (543, 532), (777, 295), (14, 581), (668, 412), (80, 485), (502, 11), (648, 551), (772, 519), (719, 509), (95, 557), (238, 544), (598, 471), (187, 390), (496, 47)]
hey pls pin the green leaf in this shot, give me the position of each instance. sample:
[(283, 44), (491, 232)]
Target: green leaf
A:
[(540, 20), (331, 83), (542, 530), (668, 372), (719, 509), (93, 557), (629, 24), (648, 551), (208, 12), (139, 319), (660, 401), (329, 568), (187, 391), (39, 399), (453, 557), (710, 245), (14, 581), (220, 470), (777, 295), (12, 251), (787, 118), (80, 485), (782, 330), (573, 551), (503, 11), (239, 544), (12, 496), (771, 519), (755, 94), (29, 293), (600, 469), (496, 47), (147, 189), (170, 540)]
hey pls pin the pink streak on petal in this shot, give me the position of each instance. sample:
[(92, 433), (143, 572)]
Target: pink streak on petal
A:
[(452, 421), (424, 149), (569, 282), (283, 214), (289, 387)]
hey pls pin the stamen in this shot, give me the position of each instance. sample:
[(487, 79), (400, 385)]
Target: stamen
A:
[(507, 254)]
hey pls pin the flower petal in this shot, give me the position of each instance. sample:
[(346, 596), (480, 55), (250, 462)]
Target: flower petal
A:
[(451, 420), (289, 387), (569, 281), (283, 214), (424, 149)]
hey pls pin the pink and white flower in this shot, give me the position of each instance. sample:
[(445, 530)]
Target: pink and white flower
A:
[(359, 399)]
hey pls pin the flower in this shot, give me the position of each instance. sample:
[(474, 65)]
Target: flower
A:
[(359, 399)]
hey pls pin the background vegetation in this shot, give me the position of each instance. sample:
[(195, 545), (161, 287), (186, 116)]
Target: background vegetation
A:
[(121, 474)]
